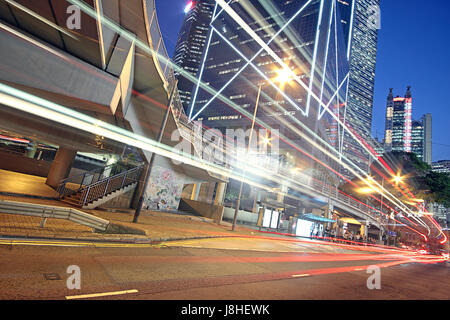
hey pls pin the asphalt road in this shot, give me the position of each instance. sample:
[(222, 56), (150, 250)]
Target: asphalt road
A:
[(217, 269)]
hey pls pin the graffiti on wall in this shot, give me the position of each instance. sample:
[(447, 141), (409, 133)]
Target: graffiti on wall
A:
[(164, 189)]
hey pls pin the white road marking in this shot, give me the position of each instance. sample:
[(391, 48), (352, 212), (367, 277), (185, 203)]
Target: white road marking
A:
[(300, 275), (104, 294)]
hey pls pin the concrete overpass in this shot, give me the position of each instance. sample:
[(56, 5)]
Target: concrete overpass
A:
[(97, 70)]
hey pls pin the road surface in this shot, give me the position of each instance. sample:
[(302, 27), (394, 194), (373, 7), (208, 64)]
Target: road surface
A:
[(217, 269)]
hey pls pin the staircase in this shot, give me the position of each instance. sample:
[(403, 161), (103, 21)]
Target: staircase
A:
[(93, 188)]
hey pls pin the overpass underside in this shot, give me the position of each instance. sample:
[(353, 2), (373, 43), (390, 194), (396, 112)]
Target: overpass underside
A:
[(54, 72)]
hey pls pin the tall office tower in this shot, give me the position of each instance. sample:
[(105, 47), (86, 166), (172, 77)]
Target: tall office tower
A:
[(251, 46), (442, 166), (361, 28), (417, 138), (236, 62), (398, 122), (428, 136), (191, 44)]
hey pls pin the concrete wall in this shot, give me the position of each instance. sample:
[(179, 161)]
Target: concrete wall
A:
[(21, 164), (243, 216), (122, 201), (206, 210)]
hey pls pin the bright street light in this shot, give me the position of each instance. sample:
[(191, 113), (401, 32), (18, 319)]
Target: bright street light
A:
[(284, 75), (398, 179)]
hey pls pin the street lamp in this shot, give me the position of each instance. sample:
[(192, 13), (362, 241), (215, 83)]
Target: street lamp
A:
[(284, 75), (238, 201), (398, 179)]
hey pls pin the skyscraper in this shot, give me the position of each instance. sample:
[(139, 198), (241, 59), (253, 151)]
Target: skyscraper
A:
[(251, 44), (398, 122), (361, 23), (191, 44), (402, 133), (428, 136), (305, 37), (417, 138)]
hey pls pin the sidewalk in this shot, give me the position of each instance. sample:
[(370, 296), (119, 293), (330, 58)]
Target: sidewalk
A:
[(152, 227)]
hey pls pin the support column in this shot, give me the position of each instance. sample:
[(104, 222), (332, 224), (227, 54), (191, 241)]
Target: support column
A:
[(195, 191), (61, 166), (220, 192), (280, 195), (256, 199), (31, 153)]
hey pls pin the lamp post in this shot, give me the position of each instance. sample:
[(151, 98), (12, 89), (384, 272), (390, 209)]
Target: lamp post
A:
[(152, 157), (284, 75), (238, 201)]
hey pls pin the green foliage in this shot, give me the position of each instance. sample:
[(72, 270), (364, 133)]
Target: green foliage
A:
[(417, 175), (438, 185)]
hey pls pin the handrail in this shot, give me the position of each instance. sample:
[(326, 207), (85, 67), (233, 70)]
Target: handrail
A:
[(181, 118), (108, 185), (78, 182), (72, 178), (43, 211)]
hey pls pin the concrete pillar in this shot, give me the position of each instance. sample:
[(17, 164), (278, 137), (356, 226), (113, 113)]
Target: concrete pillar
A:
[(220, 192), (256, 199), (280, 196), (260, 217), (209, 192), (31, 153), (195, 191), (61, 166)]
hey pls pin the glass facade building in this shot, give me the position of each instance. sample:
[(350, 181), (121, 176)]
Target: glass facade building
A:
[(427, 122), (329, 45), (398, 132), (302, 38), (417, 139), (191, 44), (402, 133), (362, 25)]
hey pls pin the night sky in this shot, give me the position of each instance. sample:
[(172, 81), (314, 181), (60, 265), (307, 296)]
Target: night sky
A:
[(413, 49)]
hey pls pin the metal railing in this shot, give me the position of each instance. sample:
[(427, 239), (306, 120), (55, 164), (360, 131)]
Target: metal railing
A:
[(75, 183), (108, 185), (188, 132), (98, 183), (45, 212)]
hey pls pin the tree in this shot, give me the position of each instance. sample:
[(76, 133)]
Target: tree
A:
[(416, 175)]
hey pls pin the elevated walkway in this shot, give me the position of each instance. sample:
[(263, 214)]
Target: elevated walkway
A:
[(115, 69)]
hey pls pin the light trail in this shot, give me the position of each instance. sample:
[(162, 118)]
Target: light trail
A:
[(139, 43), (103, 20), (41, 18)]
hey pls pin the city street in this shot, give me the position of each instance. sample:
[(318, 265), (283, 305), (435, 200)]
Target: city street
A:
[(216, 269), (224, 152)]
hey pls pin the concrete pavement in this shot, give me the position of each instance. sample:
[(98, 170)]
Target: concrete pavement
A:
[(153, 226), (177, 273)]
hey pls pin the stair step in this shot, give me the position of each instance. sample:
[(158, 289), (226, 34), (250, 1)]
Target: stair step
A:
[(74, 196)]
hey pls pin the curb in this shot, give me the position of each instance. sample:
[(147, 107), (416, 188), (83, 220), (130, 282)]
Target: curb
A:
[(111, 240)]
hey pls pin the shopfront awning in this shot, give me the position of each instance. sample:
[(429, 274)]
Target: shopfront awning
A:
[(312, 217)]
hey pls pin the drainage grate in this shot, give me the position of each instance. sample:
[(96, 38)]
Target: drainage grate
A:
[(52, 276)]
